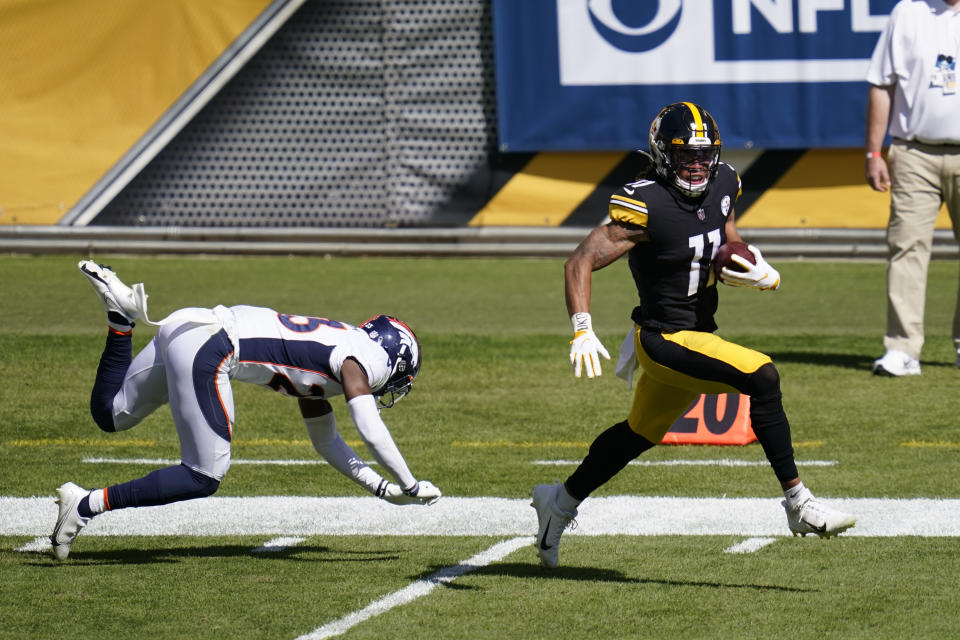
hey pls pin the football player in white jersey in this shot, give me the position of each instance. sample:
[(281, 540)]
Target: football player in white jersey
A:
[(190, 363)]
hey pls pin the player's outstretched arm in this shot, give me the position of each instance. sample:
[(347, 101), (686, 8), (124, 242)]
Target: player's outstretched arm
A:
[(322, 428), (366, 416)]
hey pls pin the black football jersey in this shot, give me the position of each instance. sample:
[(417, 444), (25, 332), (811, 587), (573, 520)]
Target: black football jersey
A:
[(672, 270)]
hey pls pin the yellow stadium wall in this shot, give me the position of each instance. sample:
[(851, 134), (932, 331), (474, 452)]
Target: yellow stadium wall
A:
[(824, 189), (81, 82)]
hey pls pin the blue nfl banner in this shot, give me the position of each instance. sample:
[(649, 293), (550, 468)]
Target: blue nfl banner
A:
[(584, 75)]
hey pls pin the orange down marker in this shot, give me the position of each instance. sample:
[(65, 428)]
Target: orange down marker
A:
[(714, 419)]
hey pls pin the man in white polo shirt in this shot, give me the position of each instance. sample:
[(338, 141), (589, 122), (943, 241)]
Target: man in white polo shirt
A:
[(913, 97)]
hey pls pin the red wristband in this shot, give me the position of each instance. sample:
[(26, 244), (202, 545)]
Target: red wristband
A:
[(873, 154)]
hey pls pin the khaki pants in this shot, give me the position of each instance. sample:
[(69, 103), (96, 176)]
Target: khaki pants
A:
[(924, 177)]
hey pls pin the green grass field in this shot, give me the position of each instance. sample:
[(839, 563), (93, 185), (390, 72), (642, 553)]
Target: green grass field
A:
[(495, 394)]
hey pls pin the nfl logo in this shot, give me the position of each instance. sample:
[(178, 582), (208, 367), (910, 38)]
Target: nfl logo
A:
[(701, 215)]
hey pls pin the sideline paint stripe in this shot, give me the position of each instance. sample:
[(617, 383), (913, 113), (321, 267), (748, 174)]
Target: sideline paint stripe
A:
[(278, 544), (106, 442), (750, 545), (172, 461), (936, 444), (722, 462), (482, 516), (509, 444), (418, 589), (79, 442), (567, 444)]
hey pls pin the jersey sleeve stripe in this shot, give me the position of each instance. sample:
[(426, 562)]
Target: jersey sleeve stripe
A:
[(629, 213), (627, 202)]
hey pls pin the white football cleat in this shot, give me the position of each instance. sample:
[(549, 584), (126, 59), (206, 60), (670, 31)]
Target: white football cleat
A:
[(552, 521), (812, 516), (896, 363), (115, 295), (69, 520)]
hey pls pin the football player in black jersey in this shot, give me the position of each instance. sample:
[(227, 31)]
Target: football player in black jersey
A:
[(670, 223)]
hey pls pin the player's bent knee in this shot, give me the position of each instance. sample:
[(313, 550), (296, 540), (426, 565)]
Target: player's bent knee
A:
[(102, 415), (765, 381), (206, 486)]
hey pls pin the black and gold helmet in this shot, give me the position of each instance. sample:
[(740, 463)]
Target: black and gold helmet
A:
[(684, 133)]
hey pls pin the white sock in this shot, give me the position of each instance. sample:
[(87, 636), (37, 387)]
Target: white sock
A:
[(797, 494), (565, 501), (96, 501)]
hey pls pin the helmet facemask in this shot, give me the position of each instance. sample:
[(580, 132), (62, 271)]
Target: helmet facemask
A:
[(400, 382), (698, 162)]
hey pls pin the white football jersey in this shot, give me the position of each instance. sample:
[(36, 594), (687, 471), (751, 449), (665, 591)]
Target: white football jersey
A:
[(300, 355)]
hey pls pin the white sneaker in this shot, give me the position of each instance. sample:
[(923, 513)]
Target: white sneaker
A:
[(115, 295), (69, 521), (896, 363), (552, 521), (812, 516)]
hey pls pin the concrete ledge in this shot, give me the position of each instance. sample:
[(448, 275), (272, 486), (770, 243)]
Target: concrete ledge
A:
[(459, 241)]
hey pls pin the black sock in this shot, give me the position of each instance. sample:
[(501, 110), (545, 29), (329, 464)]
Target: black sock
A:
[(113, 366), (608, 455), (163, 486), (84, 507), (769, 422), (118, 322)]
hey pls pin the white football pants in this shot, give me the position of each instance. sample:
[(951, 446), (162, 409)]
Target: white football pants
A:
[(188, 364)]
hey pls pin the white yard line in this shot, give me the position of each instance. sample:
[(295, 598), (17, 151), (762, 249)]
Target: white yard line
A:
[(722, 462), (171, 461), (37, 545), (750, 545), (482, 516), (418, 589), (291, 519), (278, 544)]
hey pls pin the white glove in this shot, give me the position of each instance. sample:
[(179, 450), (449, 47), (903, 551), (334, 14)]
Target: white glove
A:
[(424, 492), (585, 348), (758, 276)]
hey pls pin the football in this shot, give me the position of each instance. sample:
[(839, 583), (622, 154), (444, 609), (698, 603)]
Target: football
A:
[(727, 250)]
